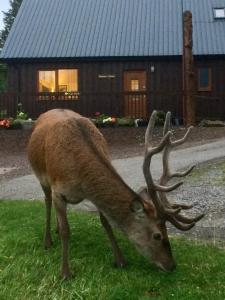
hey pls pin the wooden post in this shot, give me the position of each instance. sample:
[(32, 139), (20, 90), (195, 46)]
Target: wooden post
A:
[(189, 105)]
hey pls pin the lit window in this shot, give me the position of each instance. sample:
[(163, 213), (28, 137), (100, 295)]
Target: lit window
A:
[(47, 81), (204, 79), (219, 13), (67, 81), (58, 84), (134, 85)]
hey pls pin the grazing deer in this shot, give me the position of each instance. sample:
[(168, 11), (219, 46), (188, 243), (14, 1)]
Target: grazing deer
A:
[(70, 158)]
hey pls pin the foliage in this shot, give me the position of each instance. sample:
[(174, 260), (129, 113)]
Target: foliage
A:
[(126, 121), (8, 20), (16, 124), (27, 271), (160, 118), (5, 123), (209, 123), (105, 120), (10, 123), (21, 114), (102, 119), (21, 120)]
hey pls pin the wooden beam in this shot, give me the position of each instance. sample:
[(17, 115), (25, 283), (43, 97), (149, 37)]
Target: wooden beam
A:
[(189, 86)]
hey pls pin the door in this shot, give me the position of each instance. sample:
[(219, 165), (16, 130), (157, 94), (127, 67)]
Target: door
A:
[(135, 93)]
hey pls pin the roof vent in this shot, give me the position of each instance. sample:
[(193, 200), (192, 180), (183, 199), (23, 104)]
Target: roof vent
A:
[(219, 13)]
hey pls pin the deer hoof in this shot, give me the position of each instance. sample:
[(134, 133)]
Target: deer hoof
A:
[(120, 264), (66, 275)]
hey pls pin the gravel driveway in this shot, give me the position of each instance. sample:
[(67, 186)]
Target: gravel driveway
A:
[(202, 188)]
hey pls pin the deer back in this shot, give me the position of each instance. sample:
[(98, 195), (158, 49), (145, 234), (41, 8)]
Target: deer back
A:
[(63, 143), (67, 152)]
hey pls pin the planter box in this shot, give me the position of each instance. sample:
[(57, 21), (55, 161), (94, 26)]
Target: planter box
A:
[(27, 125)]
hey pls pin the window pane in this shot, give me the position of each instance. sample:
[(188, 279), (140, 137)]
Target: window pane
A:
[(68, 81), (134, 85), (47, 81), (219, 13), (204, 78)]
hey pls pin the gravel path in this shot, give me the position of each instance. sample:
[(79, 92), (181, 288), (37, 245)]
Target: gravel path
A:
[(205, 188)]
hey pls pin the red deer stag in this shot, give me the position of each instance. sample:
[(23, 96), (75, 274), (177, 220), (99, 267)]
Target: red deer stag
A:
[(70, 158)]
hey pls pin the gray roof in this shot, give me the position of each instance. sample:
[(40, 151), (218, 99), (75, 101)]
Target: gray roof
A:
[(109, 28)]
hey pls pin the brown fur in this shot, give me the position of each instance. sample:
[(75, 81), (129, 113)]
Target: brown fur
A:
[(70, 158)]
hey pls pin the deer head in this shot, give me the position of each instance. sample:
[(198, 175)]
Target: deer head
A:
[(155, 231)]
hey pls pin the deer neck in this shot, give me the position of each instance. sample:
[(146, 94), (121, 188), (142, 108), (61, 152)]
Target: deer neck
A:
[(111, 195)]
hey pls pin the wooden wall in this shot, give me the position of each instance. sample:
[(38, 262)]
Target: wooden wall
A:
[(164, 86), (211, 104)]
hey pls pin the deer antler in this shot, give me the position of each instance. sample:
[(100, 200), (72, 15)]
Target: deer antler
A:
[(156, 191)]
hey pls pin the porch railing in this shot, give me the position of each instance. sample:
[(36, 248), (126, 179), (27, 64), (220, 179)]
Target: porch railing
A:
[(134, 104)]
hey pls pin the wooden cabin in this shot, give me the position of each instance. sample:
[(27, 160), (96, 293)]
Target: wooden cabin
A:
[(120, 57)]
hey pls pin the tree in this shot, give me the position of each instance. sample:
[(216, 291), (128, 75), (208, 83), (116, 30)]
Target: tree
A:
[(8, 20)]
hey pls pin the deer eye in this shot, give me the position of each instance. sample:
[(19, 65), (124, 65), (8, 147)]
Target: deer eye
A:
[(157, 236)]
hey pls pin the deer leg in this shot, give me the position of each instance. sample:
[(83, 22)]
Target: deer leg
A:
[(57, 225), (118, 256), (64, 232), (48, 205)]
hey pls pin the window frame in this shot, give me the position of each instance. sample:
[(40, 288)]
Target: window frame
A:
[(207, 88), (73, 95), (214, 13), (138, 85)]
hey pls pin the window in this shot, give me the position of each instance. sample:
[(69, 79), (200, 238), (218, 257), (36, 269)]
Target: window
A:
[(134, 85), (219, 13), (67, 80), (204, 79), (47, 81), (63, 81)]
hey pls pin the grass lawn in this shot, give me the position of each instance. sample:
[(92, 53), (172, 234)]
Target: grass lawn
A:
[(27, 271)]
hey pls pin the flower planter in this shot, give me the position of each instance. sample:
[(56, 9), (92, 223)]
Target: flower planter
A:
[(27, 125)]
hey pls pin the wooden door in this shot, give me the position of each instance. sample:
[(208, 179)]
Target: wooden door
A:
[(135, 93)]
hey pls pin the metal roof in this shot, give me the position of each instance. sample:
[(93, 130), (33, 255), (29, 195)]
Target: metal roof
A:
[(112, 28)]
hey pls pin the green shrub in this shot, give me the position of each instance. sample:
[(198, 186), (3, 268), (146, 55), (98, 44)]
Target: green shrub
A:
[(126, 121), (160, 118)]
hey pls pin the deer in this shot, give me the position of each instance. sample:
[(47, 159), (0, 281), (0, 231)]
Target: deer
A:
[(70, 158)]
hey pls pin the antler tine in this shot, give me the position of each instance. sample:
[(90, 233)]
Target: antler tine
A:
[(177, 224), (182, 174), (150, 128), (167, 124), (189, 220), (182, 222), (181, 141)]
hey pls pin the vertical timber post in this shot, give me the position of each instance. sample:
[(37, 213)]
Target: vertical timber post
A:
[(189, 105)]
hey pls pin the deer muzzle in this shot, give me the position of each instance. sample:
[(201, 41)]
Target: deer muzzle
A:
[(166, 267)]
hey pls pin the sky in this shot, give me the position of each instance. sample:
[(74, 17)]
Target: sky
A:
[(4, 6)]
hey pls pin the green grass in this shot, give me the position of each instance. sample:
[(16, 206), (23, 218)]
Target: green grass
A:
[(27, 271)]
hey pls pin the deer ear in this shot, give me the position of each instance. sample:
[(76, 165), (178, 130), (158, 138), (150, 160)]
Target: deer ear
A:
[(137, 207), (143, 192)]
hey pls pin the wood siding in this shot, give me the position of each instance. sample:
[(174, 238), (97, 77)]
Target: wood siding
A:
[(105, 95)]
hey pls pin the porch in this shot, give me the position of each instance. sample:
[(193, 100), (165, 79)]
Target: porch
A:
[(133, 104)]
